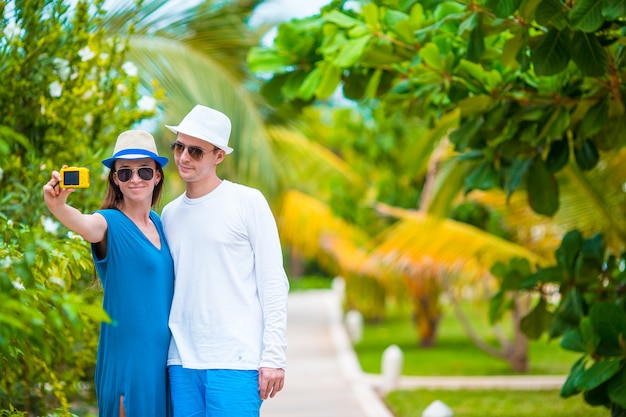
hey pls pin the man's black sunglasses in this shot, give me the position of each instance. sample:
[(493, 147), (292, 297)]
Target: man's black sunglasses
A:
[(195, 152)]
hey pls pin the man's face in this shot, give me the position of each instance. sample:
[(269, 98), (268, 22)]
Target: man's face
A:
[(196, 159)]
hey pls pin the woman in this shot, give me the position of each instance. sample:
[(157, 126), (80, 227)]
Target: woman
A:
[(135, 267)]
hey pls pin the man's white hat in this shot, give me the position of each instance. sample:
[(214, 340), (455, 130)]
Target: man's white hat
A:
[(207, 124)]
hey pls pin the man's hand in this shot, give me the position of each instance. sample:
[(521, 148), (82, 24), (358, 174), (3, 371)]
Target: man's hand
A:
[(271, 380)]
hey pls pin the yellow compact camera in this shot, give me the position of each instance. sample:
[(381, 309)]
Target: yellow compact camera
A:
[(74, 177)]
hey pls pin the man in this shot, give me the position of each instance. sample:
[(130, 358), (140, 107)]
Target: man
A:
[(229, 313)]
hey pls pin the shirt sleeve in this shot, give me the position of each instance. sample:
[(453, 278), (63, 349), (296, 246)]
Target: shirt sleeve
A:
[(272, 282)]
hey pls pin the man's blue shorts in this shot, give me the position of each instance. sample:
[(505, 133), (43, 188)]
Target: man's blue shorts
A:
[(214, 392)]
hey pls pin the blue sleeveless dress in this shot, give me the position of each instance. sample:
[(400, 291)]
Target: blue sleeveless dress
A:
[(138, 283)]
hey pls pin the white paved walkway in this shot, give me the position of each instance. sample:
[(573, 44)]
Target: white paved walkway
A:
[(324, 378)]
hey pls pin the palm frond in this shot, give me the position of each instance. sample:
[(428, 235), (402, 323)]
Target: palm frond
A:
[(421, 244), (189, 78), (309, 226), (306, 165)]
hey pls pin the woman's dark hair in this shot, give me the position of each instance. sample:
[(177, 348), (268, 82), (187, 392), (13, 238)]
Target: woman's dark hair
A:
[(114, 196)]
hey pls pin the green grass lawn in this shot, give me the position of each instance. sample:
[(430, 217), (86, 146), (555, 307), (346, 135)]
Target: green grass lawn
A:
[(310, 282), (454, 353), (493, 403)]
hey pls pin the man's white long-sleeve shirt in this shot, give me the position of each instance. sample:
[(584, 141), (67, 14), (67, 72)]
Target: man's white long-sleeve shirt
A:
[(230, 298)]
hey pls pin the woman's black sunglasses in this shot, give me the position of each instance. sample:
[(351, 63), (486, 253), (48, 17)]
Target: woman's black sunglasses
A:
[(125, 174)]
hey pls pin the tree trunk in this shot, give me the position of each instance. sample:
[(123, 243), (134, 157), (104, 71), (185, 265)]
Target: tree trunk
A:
[(427, 315), (517, 351)]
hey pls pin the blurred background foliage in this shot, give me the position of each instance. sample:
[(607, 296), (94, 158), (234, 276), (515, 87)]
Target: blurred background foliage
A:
[(407, 146), (512, 108)]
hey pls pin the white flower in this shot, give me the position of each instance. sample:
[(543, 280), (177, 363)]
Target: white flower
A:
[(73, 235), (63, 67), (6, 262), (1, 174), (88, 119), (50, 225), (130, 68), (12, 31), (104, 56), (147, 103), (17, 284), (86, 54), (56, 89), (9, 222), (58, 281)]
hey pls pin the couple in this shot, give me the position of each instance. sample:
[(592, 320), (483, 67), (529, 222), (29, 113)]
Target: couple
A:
[(226, 309)]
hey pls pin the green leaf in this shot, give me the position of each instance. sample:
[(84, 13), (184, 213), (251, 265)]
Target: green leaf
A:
[(309, 85), (511, 48), (374, 82), (330, 77), (616, 388), (594, 120), (613, 134), (589, 55), (516, 273), (597, 374), (589, 335), (485, 177), (488, 79), (431, 56), (293, 83), (613, 9), (515, 175), (354, 86), (476, 43), (551, 55), (342, 20), (586, 155), (569, 251), (543, 189), (268, 60), (569, 388), (558, 155), (371, 14), (609, 322), (476, 104), (586, 15), (558, 123), (462, 136), (552, 274), (571, 310), (593, 250), (351, 51), (497, 306), (537, 321), (503, 8), (499, 270), (597, 396), (572, 340), (552, 13)]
